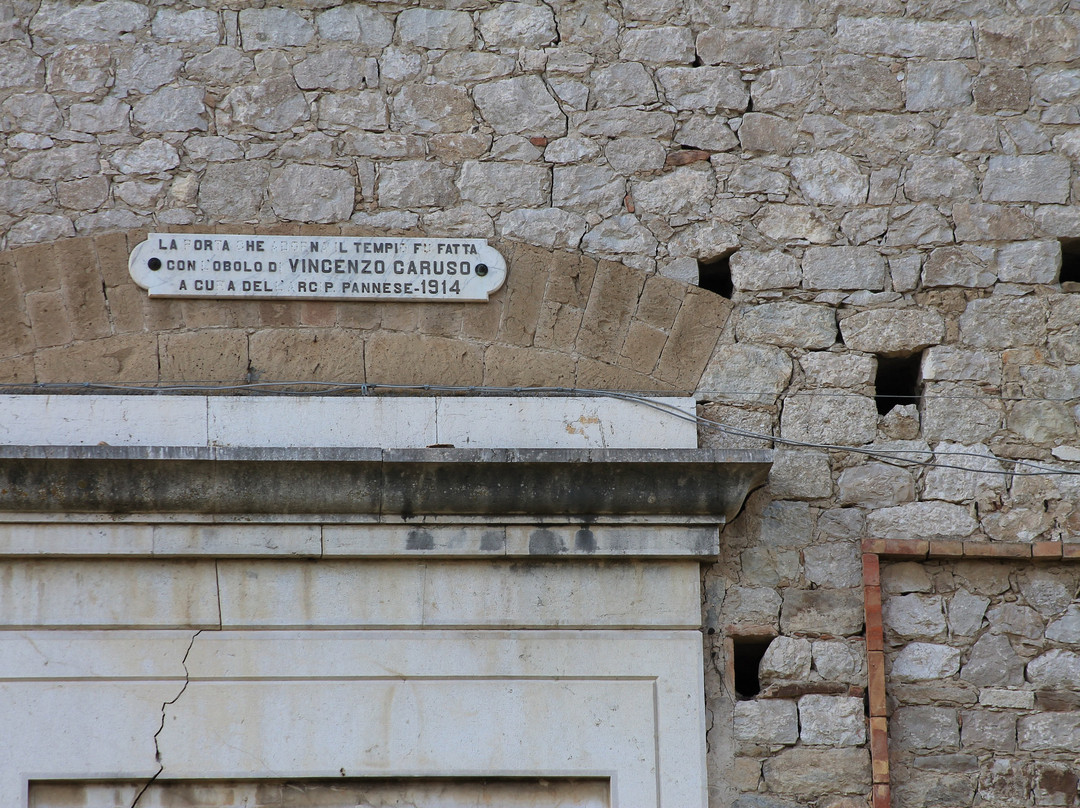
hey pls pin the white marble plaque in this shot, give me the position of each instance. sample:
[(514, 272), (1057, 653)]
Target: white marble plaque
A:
[(316, 267)]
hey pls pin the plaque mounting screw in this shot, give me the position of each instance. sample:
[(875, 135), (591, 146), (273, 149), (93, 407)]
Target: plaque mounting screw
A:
[(481, 269), (154, 264)]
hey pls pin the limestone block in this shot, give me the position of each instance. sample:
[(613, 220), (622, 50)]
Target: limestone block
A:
[(616, 123), (330, 69), (1016, 620), (767, 133), (233, 192), (1057, 668), (172, 109), (782, 87), (1027, 178), (57, 21), (222, 66), (795, 223), (309, 193), (681, 194), (505, 184), (415, 183), (706, 132), (922, 662), (431, 109), (748, 178), (859, 84), (913, 728), (836, 564), (958, 266), (704, 89), (262, 28), (914, 616), (965, 613), (747, 48), (753, 271), (360, 25), (740, 372), (982, 729), (63, 162), (1050, 592), (774, 721), (468, 67), (573, 149), (1028, 39), (800, 474), (518, 25), (586, 189), (273, 105), (1066, 629), (672, 45), (520, 105), (892, 331), (875, 485), (938, 178), (21, 196), (1001, 88), (30, 112), (622, 85), (921, 520), (107, 116), (834, 612), (760, 566), (840, 661), (832, 720), (993, 663), (946, 363), (788, 324), (834, 420), (977, 221), (843, 268), (1048, 732), (20, 67), (432, 29), (786, 658), (918, 225), (196, 27), (980, 477), (620, 235), (1029, 262), (977, 421), (905, 38), (551, 228), (807, 773), (830, 178), (1000, 324), (937, 85), (750, 605), (361, 110)]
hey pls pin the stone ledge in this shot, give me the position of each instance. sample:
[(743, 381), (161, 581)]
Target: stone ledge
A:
[(409, 482), (921, 549)]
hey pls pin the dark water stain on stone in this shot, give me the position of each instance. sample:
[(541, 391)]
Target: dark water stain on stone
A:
[(544, 542), (493, 541), (585, 541), (419, 540)]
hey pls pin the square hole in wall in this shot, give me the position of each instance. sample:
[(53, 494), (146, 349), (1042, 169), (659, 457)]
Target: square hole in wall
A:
[(898, 381), (1070, 266), (746, 654), (715, 275)]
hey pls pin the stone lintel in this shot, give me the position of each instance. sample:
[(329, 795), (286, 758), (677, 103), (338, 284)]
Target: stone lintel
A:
[(405, 482)]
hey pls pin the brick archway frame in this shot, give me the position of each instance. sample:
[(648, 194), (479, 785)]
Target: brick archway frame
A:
[(72, 315)]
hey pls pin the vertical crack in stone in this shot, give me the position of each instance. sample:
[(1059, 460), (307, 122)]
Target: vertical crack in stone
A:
[(161, 726)]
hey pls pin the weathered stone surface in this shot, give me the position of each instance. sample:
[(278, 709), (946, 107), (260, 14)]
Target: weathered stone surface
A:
[(312, 193), (1027, 178), (1057, 668), (848, 370), (875, 485), (1066, 629), (505, 184), (432, 108), (706, 132), (360, 25), (747, 373), (925, 728), (588, 189), (518, 25), (840, 661), (914, 616), (415, 183), (667, 45), (752, 270), (1049, 731), (921, 662), (861, 85), (808, 773), (972, 473), (222, 66), (20, 67), (705, 89), (149, 157), (843, 268), (626, 84), (786, 658), (959, 266), (620, 235), (679, 195), (791, 324), (965, 612), (30, 112), (905, 38), (172, 109), (983, 729), (233, 192), (892, 331), (758, 606), (817, 612), (362, 110), (433, 29), (262, 28), (904, 577), (273, 105), (921, 520), (937, 85), (58, 21), (774, 721), (39, 227), (520, 105), (977, 221), (800, 474), (824, 418), (548, 227), (830, 178), (832, 720), (993, 663), (795, 223), (1003, 323), (333, 69), (629, 155), (1029, 262)]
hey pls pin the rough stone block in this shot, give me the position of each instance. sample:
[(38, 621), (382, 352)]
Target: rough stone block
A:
[(993, 662), (432, 109), (836, 564), (665, 45), (551, 228), (905, 38), (914, 616), (830, 178), (1048, 732), (915, 728), (587, 189), (415, 183), (520, 105), (309, 193), (893, 331), (262, 28), (843, 268), (808, 773), (518, 25), (819, 612), (705, 89), (937, 85), (276, 104), (788, 324), (693, 337), (799, 474), (1001, 324), (832, 720), (758, 373), (875, 485), (508, 184), (859, 84), (835, 420), (921, 520), (1029, 262), (786, 658), (982, 729), (774, 721), (1027, 178), (922, 662)]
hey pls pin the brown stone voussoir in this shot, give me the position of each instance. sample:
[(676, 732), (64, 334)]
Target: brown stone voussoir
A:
[(308, 354), (693, 338), (81, 282), (513, 366), (410, 359), (209, 355), (615, 291), (124, 358), (37, 268)]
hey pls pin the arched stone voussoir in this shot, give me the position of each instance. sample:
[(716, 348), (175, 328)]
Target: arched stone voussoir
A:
[(562, 319)]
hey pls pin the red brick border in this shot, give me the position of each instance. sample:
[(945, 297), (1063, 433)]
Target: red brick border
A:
[(920, 550)]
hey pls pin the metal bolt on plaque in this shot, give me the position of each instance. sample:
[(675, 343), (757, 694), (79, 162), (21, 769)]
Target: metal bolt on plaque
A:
[(316, 267)]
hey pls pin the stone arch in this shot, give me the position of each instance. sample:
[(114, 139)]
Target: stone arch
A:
[(73, 315)]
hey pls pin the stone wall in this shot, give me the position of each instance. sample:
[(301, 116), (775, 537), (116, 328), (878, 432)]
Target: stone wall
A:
[(890, 182)]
